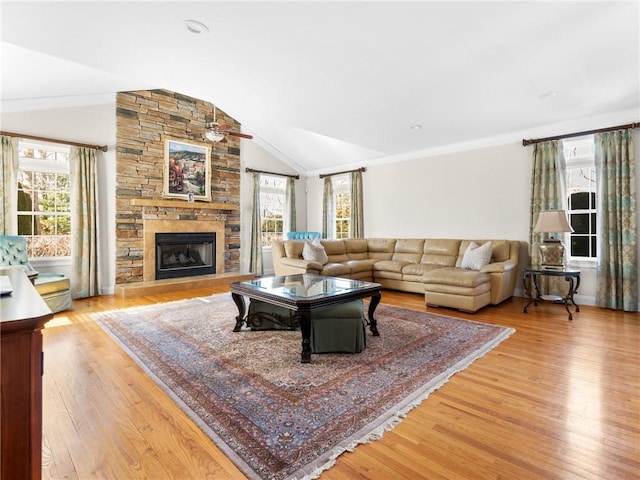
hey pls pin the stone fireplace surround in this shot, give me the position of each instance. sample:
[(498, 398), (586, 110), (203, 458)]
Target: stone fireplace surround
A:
[(151, 227)]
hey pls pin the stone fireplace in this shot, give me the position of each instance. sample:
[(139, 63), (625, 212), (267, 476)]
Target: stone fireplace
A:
[(153, 227), (145, 120)]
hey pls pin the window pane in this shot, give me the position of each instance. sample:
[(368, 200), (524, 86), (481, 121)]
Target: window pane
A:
[(63, 202), (25, 224), (579, 246), (47, 225), (594, 245), (25, 201), (43, 246), (580, 222), (580, 201), (64, 225), (62, 182)]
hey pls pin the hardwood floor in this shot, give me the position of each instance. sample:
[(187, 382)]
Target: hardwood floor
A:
[(557, 400)]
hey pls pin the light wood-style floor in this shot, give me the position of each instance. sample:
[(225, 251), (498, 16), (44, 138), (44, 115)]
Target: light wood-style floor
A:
[(557, 400)]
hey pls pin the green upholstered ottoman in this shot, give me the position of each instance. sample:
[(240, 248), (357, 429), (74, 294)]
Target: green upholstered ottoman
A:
[(264, 316), (336, 328)]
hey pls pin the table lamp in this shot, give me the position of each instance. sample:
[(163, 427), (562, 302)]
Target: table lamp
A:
[(552, 249)]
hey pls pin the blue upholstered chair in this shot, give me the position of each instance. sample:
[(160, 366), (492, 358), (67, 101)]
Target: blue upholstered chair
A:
[(54, 288), (303, 235)]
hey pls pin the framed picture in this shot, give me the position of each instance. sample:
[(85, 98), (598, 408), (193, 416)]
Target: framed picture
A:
[(187, 170)]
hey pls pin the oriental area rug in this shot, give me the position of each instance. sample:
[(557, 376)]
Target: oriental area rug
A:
[(275, 417)]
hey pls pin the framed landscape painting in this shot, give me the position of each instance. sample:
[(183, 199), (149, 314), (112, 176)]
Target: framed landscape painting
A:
[(187, 170)]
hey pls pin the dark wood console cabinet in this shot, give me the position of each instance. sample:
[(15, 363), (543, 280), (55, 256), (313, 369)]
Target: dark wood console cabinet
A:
[(22, 317)]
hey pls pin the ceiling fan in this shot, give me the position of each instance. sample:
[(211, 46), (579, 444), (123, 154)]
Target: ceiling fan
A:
[(218, 133)]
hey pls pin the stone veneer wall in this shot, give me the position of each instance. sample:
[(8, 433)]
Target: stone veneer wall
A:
[(144, 120)]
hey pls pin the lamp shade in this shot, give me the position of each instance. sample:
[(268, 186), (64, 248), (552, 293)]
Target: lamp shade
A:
[(550, 221)]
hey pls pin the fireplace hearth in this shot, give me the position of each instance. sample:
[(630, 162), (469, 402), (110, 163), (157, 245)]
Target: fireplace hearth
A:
[(185, 254)]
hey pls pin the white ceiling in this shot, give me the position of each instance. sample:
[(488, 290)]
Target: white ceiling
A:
[(333, 84)]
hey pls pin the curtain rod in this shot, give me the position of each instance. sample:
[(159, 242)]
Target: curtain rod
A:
[(271, 173), (580, 134), (361, 169), (102, 148)]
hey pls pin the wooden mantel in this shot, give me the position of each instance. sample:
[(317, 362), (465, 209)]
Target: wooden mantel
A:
[(150, 202)]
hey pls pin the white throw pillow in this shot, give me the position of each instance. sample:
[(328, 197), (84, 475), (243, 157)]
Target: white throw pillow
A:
[(476, 257), (314, 252)]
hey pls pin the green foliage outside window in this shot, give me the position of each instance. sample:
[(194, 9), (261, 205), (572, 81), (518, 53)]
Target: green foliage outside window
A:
[(343, 215), (44, 206)]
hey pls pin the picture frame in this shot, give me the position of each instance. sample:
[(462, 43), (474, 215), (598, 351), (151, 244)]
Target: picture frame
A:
[(187, 170)]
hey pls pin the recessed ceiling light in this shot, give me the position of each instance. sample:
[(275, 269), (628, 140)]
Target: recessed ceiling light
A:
[(195, 27), (415, 127)]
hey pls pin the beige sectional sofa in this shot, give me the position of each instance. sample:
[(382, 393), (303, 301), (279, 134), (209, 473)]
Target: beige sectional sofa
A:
[(429, 266)]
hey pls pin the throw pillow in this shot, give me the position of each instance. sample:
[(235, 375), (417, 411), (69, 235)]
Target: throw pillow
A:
[(476, 256), (314, 252)]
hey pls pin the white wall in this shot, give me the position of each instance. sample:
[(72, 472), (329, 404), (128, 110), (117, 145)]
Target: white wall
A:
[(252, 155), (94, 125), (482, 193)]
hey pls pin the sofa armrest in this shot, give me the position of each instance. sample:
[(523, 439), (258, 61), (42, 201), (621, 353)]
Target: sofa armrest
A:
[(300, 263), (498, 267)]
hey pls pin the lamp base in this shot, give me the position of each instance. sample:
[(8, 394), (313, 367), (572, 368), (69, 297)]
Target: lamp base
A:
[(552, 254)]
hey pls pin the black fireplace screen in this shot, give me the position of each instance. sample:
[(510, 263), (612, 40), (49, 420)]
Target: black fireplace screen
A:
[(185, 254)]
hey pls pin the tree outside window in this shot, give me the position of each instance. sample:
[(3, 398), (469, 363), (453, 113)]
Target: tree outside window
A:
[(273, 196), (342, 205), (44, 206)]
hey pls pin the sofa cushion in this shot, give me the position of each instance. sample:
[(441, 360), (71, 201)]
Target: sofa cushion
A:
[(440, 252), (293, 248), (336, 250), (418, 268), (356, 248), (476, 257), (389, 266), (381, 248), (357, 266), (314, 252), (456, 276), (335, 269), (501, 251), (408, 250)]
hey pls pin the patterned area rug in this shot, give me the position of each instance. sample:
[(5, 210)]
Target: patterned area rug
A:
[(275, 417)]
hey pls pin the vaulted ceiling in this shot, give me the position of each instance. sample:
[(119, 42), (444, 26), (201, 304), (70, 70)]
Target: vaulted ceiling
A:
[(332, 84)]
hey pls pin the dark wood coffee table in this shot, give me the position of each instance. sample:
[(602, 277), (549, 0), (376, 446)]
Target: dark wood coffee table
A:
[(303, 294)]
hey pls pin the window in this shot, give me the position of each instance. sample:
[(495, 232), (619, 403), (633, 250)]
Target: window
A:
[(342, 205), (273, 201), (581, 191), (44, 206)]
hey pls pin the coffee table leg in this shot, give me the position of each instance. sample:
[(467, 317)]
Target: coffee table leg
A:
[(304, 320), (239, 301), (373, 324)]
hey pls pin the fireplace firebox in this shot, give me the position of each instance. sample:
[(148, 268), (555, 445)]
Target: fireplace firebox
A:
[(185, 254)]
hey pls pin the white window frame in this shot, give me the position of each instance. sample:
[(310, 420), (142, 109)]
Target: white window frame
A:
[(280, 191), (46, 166), (341, 186), (580, 153)]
